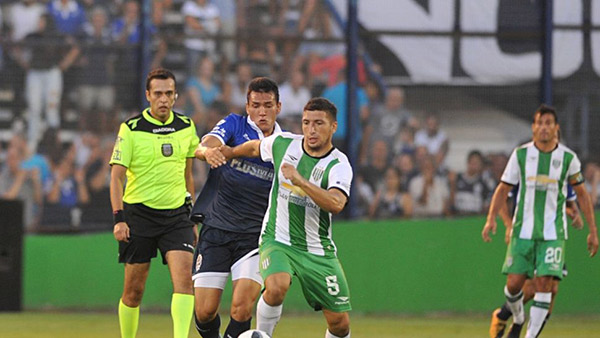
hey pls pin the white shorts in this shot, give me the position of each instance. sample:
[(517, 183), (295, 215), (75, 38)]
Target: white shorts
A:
[(245, 268)]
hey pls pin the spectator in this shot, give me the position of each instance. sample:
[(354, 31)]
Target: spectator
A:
[(406, 164), (126, 32), (429, 191), (96, 89), (389, 119), (404, 142), (390, 200), (202, 90), (23, 18), (126, 29), (497, 164), (234, 89), (64, 192), (201, 24), (17, 183), (51, 54), (68, 16), (97, 180), (373, 172), (294, 95), (471, 191), (434, 139), (337, 95), (257, 21)]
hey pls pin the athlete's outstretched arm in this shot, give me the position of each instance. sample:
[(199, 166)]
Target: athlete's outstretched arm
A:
[(246, 149), (208, 150), (585, 202), (498, 202), (332, 200)]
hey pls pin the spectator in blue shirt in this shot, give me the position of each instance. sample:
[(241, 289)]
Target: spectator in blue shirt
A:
[(337, 95), (68, 15)]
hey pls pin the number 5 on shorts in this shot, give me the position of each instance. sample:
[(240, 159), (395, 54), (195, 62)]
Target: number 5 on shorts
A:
[(332, 285)]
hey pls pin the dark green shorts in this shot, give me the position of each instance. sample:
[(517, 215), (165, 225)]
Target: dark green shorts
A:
[(322, 278)]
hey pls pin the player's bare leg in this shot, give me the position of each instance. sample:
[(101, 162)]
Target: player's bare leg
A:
[(206, 308), (182, 303), (338, 324), (270, 304), (245, 293), (133, 291)]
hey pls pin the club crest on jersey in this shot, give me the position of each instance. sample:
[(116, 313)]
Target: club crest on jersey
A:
[(198, 262), (317, 174), (167, 149), (556, 163)]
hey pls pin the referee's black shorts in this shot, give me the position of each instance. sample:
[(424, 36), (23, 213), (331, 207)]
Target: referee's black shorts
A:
[(151, 229)]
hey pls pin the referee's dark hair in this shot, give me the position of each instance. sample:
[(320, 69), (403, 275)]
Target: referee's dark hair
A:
[(161, 74), (322, 104), (544, 109), (263, 85)]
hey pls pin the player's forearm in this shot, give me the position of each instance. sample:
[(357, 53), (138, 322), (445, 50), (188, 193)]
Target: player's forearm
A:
[(247, 149), (585, 202), (325, 199), (498, 200), (588, 212)]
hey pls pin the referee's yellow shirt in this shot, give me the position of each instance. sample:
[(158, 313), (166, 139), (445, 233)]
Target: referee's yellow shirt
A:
[(155, 154)]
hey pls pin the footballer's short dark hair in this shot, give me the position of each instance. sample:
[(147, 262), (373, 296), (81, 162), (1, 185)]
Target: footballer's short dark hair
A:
[(263, 85), (322, 104), (161, 74), (544, 109)]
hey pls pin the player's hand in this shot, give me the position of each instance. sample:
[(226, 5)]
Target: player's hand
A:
[(227, 151), (215, 157), (490, 225), (290, 172), (592, 242), (576, 220), (121, 232)]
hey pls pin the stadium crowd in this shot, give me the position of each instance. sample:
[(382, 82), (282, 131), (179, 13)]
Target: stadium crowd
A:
[(75, 65)]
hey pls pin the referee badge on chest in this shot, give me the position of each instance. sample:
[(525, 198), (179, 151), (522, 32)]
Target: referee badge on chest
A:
[(167, 149)]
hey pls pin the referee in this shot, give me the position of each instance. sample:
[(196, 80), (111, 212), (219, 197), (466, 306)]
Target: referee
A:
[(154, 151)]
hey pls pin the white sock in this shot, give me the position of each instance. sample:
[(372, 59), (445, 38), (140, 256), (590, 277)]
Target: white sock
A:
[(267, 316), (538, 313), (515, 304), (331, 335)]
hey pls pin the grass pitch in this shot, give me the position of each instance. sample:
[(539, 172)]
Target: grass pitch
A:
[(102, 325)]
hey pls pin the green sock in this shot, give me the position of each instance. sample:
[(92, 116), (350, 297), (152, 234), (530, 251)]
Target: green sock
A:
[(128, 320), (182, 308)]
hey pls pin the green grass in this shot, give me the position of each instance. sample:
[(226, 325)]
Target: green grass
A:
[(96, 325)]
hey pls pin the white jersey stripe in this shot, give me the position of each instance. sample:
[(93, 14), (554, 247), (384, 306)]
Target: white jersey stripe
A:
[(531, 164), (552, 195)]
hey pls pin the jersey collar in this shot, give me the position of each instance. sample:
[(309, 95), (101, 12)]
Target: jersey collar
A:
[(148, 116), (276, 130)]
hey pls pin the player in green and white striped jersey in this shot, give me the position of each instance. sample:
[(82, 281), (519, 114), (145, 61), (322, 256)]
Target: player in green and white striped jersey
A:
[(312, 182), (542, 169)]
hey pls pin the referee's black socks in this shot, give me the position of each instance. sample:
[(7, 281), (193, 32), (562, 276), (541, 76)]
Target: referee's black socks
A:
[(209, 329)]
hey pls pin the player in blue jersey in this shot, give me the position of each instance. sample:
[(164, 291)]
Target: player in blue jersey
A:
[(231, 208), (501, 315)]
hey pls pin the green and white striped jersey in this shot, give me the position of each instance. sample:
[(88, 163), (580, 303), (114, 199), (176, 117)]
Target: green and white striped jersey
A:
[(292, 217), (541, 200)]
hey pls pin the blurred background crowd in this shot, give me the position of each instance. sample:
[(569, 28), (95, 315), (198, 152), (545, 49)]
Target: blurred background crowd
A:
[(72, 70)]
